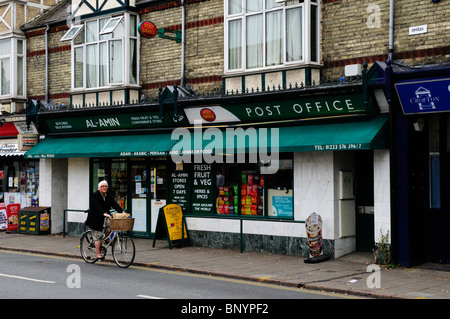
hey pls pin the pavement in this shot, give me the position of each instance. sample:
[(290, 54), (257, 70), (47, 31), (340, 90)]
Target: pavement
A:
[(351, 274)]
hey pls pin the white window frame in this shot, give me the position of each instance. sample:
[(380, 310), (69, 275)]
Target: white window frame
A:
[(306, 35), (72, 33), (13, 56), (111, 25), (125, 39)]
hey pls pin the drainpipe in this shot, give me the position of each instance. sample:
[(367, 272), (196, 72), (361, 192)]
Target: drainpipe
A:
[(183, 31), (391, 29), (46, 64)]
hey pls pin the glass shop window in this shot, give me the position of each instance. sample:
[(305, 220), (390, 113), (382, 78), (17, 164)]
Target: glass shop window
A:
[(243, 190), (115, 173), (19, 183)]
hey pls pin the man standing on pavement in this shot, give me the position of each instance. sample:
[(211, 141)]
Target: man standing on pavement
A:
[(98, 214)]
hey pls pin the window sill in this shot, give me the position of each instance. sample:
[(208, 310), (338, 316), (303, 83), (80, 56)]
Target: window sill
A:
[(272, 69), (106, 89)]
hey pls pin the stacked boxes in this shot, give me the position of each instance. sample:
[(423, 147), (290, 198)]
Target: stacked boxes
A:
[(252, 194)]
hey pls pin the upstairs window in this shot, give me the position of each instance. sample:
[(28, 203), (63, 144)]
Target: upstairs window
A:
[(104, 52), (264, 33), (12, 67)]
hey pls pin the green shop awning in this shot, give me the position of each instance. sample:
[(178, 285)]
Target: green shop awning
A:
[(361, 135), (365, 134), (103, 146)]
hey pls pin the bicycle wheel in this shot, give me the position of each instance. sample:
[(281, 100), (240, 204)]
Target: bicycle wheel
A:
[(87, 247), (123, 251)]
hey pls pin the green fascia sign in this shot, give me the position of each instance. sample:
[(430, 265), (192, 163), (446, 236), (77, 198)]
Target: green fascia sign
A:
[(108, 122), (281, 110), (301, 108)]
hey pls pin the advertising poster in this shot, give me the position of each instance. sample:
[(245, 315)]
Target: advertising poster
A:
[(139, 214), (281, 203), (314, 234), (156, 205), (3, 218), (12, 214), (313, 226), (173, 215)]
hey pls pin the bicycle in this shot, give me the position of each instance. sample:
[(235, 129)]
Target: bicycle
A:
[(122, 246)]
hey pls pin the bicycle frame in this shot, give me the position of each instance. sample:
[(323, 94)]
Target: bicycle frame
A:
[(123, 253), (111, 238)]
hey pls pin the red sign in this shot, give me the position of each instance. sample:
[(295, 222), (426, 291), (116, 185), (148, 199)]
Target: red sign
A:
[(147, 29), (12, 215), (208, 115), (3, 219)]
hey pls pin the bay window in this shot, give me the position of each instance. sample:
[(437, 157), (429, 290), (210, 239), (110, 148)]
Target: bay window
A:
[(12, 67), (104, 52), (265, 33)]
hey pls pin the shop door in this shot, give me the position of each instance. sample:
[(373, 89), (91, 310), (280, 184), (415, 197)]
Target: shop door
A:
[(442, 224), (158, 190), (139, 191), (364, 199), (148, 195)]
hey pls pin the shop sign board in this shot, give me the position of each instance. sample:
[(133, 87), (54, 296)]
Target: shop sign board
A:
[(424, 95), (22, 128), (301, 108), (147, 29), (27, 141), (170, 224), (108, 122), (180, 188), (203, 195), (292, 109), (174, 215), (10, 149), (193, 188)]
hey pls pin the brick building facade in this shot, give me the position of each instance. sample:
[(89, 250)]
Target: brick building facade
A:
[(333, 34)]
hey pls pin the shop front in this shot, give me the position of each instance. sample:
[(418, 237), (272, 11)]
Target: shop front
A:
[(135, 167), (19, 178), (247, 170), (421, 130)]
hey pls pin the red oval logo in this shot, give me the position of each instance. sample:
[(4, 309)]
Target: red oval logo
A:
[(147, 29), (208, 115)]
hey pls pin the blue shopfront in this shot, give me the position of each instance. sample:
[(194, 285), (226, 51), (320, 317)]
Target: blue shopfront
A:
[(419, 98)]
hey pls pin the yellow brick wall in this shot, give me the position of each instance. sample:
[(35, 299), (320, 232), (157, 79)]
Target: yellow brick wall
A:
[(161, 58), (59, 66), (351, 35)]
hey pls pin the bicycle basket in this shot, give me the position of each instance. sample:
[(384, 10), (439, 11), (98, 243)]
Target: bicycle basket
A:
[(122, 224)]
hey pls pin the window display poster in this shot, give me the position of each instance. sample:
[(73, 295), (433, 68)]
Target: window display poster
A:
[(203, 197), (156, 205), (139, 214), (281, 203), (3, 217), (180, 190)]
